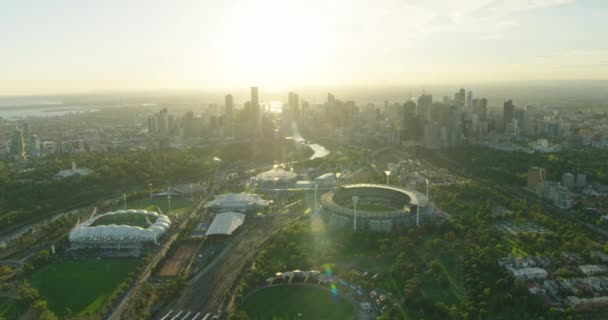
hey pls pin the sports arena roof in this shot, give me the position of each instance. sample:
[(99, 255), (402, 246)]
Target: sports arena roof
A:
[(84, 233), (225, 223), (237, 201), (416, 197), (276, 175)]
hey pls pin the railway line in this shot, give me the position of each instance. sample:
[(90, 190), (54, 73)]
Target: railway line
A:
[(209, 291)]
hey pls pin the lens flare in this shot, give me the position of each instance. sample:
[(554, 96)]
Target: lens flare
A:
[(334, 292)]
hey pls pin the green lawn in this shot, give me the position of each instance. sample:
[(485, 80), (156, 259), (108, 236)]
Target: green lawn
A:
[(131, 219), (372, 207), (83, 286), (11, 308), (178, 205), (285, 303)]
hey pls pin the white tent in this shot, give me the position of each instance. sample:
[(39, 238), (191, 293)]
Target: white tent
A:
[(225, 223)]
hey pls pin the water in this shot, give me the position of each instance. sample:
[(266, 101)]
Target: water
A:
[(15, 110), (319, 150)]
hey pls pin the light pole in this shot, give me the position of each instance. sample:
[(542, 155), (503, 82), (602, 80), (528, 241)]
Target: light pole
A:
[(169, 200), (150, 189), (388, 174), (427, 188), (316, 186), (124, 200), (191, 193), (355, 200), (338, 174)]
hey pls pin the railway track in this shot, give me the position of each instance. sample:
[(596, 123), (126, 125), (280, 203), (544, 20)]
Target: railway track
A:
[(209, 291)]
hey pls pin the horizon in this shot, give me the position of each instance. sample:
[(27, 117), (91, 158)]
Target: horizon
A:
[(65, 47)]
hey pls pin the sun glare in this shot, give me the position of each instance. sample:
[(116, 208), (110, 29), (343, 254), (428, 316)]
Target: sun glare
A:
[(271, 45)]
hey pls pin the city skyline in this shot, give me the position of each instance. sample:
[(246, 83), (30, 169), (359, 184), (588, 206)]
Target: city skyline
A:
[(62, 47)]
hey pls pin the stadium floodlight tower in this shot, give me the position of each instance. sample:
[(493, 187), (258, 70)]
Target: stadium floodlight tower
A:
[(316, 206), (388, 174), (355, 200), (169, 201)]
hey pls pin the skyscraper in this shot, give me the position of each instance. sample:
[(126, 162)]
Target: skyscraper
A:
[(17, 145), (470, 100), (508, 112), (294, 105), (424, 106), (34, 146), (229, 106), (536, 179), (483, 109), (255, 99)]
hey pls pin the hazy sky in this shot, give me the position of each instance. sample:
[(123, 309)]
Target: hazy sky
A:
[(80, 45)]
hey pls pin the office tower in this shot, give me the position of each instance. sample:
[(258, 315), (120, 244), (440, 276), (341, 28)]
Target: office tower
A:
[(17, 145), (229, 106), (34, 146), (568, 180), (459, 98), (331, 99), (483, 109), (294, 105), (469, 100), (424, 106), (536, 178), (581, 180), (520, 116), (508, 112), (255, 99)]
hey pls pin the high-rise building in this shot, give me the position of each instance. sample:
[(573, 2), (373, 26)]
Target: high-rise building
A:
[(470, 100), (294, 105), (459, 98), (508, 112), (34, 146), (536, 178), (229, 106), (424, 106), (255, 99), (17, 145), (331, 99), (568, 180), (483, 109), (581, 180)]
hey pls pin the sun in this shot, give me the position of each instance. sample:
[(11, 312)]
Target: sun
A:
[(271, 44)]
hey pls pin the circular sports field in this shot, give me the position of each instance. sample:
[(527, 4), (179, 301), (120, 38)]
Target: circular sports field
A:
[(295, 303)]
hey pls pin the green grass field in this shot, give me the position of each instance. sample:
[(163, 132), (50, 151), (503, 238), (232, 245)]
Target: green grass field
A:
[(178, 205), (83, 286), (372, 207), (285, 303), (136, 220), (11, 308)]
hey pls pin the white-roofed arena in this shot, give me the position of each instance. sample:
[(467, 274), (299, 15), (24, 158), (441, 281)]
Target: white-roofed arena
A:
[(240, 202), (88, 234), (276, 178)]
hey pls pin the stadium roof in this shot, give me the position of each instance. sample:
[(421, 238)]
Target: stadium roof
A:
[(225, 223), (416, 197), (108, 234), (276, 175), (237, 201)]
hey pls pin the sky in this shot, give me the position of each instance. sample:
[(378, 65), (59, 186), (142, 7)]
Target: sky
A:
[(58, 46)]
